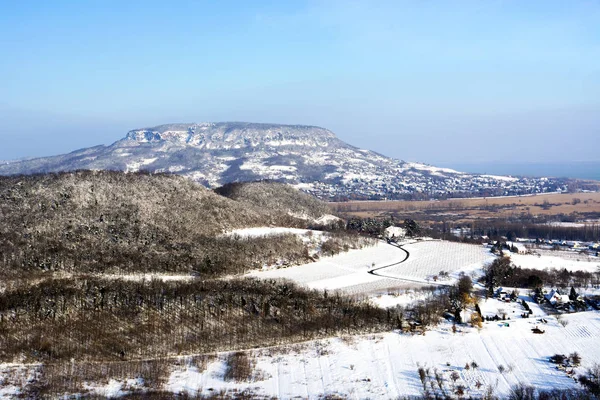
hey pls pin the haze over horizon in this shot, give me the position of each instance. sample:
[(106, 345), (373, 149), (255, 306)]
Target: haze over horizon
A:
[(466, 82)]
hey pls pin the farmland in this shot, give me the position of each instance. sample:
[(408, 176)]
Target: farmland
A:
[(445, 359), (349, 272), (386, 366), (478, 361), (557, 260), (464, 210)]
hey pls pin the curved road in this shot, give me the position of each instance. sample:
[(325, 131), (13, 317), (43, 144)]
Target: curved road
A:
[(374, 270)]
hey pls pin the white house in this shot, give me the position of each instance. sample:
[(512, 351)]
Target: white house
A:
[(554, 297), (394, 232), (519, 247)]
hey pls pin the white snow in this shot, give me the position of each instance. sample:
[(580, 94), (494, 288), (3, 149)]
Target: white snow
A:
[(147, 277), (428, 258), (327, 219), (349, 271), (430, 168), (386, 366), (269, 231), (395, 231), (13, 377), (501, 178), (176, 168), (135, 166), (533, 261), (342, 270), (349, 176), (401, 299), (115, 388)]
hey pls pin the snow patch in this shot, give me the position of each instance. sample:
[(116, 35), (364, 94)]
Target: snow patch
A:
[(135, 166)]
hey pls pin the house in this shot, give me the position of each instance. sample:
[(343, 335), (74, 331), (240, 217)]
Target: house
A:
[(502, 295), (554, 297), (518, 248), (394, 233)]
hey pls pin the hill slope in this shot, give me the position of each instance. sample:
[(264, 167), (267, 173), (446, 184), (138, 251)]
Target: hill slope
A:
[(274, 196), (106, 221), (311, 158)]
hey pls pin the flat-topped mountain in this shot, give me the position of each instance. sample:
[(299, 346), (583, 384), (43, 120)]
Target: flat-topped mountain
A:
[(236, 135), (309, 157)]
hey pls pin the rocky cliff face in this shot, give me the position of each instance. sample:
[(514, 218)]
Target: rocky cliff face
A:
[(309, 157), (237, 135)]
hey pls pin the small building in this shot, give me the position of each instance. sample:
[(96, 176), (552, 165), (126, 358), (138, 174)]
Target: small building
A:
[(502, 294), (518, 248), (394, 233), (554, 297)]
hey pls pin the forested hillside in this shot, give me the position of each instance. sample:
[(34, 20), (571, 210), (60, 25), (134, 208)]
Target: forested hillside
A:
[(276, 197), (105, 221), (66, 311)]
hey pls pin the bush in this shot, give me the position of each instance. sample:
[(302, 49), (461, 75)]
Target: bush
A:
[(239, 367), (558, 359)]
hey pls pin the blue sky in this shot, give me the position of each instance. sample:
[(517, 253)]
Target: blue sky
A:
[(430, 81)]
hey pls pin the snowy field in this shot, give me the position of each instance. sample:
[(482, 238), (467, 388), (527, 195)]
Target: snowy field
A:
[(349, 272), (572, 263), (427, 259), (386, 366), (340, 271), (271, 231)]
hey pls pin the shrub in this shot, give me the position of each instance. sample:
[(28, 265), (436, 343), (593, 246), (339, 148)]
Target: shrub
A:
[(239, 368), (575, 358), (558, 359)]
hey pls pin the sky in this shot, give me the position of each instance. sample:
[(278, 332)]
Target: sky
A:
[(430, 81)]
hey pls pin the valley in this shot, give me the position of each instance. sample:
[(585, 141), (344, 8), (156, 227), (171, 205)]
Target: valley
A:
[(465, 210), (289, 200), (150, 285)]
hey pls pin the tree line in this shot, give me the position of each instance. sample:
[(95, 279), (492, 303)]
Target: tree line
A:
[(100, 319)]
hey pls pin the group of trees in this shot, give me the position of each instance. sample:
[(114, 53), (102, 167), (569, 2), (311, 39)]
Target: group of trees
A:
[(377, 226), (100, 319), (502, 272), (535, 230), (112, 222)]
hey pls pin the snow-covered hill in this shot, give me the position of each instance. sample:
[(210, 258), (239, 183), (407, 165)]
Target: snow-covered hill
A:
[(311, 158)]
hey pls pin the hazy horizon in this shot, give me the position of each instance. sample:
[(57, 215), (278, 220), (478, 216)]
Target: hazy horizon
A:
[(442, 83)]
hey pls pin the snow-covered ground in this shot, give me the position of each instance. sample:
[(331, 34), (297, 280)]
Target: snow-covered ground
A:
[(574, 224), (398, 298), (386, 366), (147, 277), (428, 258), (534, 261), (115, 388), (343, 271), (136, 165), (349, 272), (13, 378), (271, 231)]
